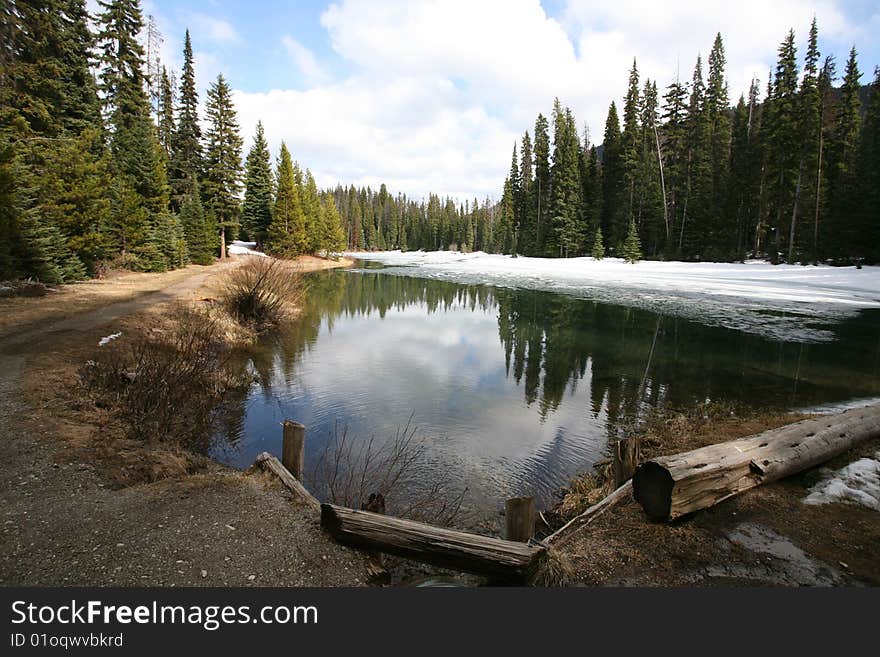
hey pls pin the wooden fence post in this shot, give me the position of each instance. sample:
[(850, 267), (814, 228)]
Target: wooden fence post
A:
[(293, 448), (519, 514), (625, 456)]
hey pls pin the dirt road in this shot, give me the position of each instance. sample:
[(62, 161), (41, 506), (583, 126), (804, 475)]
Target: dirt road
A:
[(63, 525)]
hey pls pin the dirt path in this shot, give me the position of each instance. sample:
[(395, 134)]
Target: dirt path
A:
[(62, 525)]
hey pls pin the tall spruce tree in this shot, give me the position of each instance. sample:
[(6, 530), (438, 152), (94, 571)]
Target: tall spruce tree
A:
[(719, 237), (166, 115), (542, 185), (614, 209), (137, 163), (186, 166), (256, 213), (565, 232), (525, 229), (843, 183), (287, 236), (222, 179), (867, 219)]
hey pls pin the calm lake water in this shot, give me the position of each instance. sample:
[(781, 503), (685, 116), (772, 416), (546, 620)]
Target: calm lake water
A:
[(511, 392)]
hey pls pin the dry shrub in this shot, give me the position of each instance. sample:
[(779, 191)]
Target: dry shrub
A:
[(168, 387), (259, 292), (556, 568), (350, 471)]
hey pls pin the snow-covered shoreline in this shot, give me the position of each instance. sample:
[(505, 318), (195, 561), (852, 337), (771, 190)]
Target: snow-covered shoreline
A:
[(783, 302)]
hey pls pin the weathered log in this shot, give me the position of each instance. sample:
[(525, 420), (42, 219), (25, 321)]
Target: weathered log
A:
[(502, 560), (293, 447), (271, 464), (616, 498), (519, 519), (670, 487)]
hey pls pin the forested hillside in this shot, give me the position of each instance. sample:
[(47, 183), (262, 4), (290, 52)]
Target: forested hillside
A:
[(792, 174), (106, 162), (103, 162)]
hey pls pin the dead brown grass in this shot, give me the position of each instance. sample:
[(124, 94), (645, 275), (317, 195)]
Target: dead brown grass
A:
[(168, 386)]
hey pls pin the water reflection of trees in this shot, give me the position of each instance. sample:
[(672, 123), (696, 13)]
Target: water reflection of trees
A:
[(630, 359)]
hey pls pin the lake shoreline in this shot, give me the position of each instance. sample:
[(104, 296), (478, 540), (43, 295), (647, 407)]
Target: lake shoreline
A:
[(160, 528)]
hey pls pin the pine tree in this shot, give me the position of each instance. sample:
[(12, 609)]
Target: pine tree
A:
[(186, 145), (311, 205), (613, 203), (133, 140), (598, 251), (526, 227), (649, 211), (630, 140), (166, 115), (542, 185), (286, 236), (675, 155), (782, 144), (256, 213), (842, 171), (200, 238), (516, 195), (333, 236), (222, 180), (632, 247), (565, 231), (810, 120), (719, 237), (698, 181), (71, 193), (868, 176)]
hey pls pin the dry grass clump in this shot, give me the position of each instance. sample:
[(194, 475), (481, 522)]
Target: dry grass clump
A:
[(260, 292), (169, 386), (555, 569)]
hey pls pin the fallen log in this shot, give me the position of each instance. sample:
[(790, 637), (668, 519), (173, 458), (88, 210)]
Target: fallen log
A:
[(271, 464), (506, 561), (670, 487)]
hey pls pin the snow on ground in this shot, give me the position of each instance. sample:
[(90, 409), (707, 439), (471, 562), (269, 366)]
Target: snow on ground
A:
[(237, 247), (108, 339), (838, 407), (782, 302), (857, 483)]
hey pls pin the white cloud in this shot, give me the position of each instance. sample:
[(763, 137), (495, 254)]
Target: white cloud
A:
[(305, 61), (436, 92)]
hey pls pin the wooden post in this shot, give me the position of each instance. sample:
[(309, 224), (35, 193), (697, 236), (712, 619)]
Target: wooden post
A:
[(519, 513), (293, 448), (624, 459)]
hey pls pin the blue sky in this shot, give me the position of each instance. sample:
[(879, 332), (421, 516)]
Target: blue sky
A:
[(430, 96)]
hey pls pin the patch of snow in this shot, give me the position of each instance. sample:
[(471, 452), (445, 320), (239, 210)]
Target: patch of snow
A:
[(838, 407), (108, 338), (237, 247), (857, 483), (781, 302)]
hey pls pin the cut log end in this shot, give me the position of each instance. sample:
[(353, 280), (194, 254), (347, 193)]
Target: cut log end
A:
[(652, 488)]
